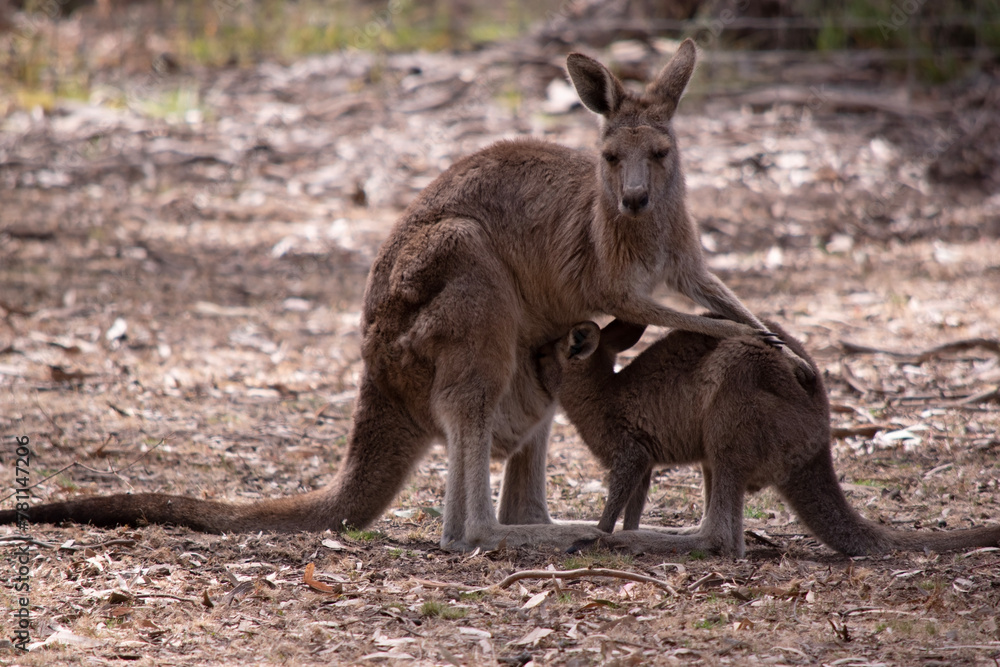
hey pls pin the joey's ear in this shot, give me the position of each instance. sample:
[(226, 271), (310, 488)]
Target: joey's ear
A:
[(599, 90), (581, 341), (621, 335), (669, 85)]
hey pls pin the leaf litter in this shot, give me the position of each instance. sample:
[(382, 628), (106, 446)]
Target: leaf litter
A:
[(197, 332)]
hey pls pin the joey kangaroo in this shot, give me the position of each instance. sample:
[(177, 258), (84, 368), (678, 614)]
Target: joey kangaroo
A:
[(504, 251), (734, 405)]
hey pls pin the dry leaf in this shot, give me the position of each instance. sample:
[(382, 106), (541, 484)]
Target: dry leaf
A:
[(533, 637), (334, 544), (317, 585), (536, 600)]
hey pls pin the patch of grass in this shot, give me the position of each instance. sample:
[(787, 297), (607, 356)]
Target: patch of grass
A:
[(697, 554), (363, 535), (46, 63), (709, 622), (435, 609), (753, 512), (472, 595), (66, 484)]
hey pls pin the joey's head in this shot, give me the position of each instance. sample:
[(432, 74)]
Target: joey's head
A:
[(585, 353), (640, 167)]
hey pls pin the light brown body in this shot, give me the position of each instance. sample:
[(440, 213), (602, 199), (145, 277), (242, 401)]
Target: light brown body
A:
[(503, 252), (737, 407)]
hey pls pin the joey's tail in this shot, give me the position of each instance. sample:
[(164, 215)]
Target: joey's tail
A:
[(816, 496), (384, 446)]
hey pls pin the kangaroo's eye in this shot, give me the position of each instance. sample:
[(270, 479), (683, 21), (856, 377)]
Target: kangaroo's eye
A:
[(661, 154), (610, 158)]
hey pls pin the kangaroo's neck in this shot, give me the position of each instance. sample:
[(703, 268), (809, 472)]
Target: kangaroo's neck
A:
[(636, 249)]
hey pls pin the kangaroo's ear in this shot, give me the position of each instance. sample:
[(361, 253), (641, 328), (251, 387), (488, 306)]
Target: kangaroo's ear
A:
[(599, 90), (669, 86), (581, 341), (621, 335)]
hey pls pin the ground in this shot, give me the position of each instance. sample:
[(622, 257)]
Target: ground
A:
[(180, 290)]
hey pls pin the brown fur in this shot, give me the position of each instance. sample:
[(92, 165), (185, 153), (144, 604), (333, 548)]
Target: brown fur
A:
[(503, 252), (737, 407)]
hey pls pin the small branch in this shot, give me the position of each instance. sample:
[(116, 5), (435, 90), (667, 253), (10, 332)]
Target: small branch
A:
[(989, 344), (763, 540), (990, 395), (126, 542), (866, 430), (110, 471), (578, 574), (164, 595)]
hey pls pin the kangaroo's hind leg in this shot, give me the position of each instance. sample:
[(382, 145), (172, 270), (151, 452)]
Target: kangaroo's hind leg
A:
[(630, 466)]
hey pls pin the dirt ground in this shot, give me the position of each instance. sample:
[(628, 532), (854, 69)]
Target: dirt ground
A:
[(180, 291)]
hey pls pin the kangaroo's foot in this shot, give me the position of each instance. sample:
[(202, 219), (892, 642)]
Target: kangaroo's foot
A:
[(561, 536)]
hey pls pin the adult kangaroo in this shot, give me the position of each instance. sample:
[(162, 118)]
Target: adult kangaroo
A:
[(737, 407), (504, 251)]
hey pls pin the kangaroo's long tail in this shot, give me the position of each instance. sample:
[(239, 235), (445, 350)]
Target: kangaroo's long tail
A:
[(383, 447), (815, 495)]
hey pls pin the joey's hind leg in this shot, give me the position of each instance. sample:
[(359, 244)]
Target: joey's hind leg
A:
[(522, 494), (722, 525), (633, 510), (628, 468)]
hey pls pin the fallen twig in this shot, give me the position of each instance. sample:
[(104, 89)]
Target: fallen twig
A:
[(164, 595), (866, 430), (123, 541), (577, 574), (430, 583), (763, 540), (989, 344), (110, 471)]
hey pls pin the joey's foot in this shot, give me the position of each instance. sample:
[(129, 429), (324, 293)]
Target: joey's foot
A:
[(651, 541), (804, 373), (583, 545)]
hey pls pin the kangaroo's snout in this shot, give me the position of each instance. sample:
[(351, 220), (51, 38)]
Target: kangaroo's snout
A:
[(634, 201)]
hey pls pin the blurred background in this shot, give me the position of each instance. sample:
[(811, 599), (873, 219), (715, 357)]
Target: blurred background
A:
[(63, 47)]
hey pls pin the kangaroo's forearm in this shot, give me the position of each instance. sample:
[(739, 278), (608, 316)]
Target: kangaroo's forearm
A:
[(651, 313), (710, 292)]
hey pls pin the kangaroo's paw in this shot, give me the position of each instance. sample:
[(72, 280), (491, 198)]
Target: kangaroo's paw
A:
[(771, 338), (583, 545)]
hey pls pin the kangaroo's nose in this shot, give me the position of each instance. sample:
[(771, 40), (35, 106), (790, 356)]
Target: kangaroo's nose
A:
[(635, 199)]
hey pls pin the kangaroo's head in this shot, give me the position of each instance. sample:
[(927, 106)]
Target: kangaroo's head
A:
[(585, 352), (640, 166)]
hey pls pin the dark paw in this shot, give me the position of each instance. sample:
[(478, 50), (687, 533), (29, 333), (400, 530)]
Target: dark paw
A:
[(806, 376), (772, 339), (582, 545)]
